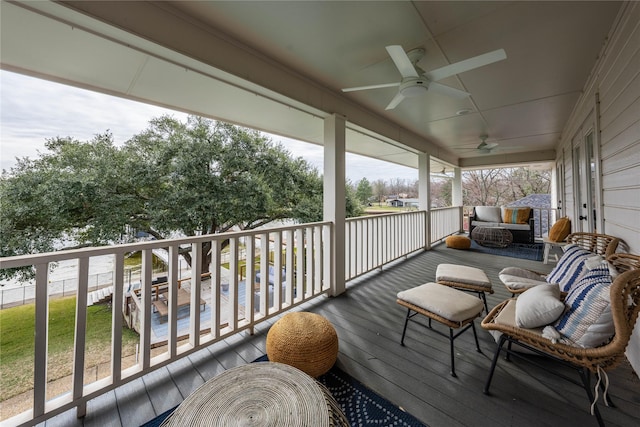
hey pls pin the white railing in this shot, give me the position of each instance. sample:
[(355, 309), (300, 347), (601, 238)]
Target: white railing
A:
[(373, 241), (232, 303), (223, 302), (544, 219), (445, 222)]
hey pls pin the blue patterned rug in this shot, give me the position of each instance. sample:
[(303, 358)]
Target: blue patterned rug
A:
[(363, 407), (531, 251)]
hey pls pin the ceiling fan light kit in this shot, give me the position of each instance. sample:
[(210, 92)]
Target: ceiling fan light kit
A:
[(410, 88), (415, 81)]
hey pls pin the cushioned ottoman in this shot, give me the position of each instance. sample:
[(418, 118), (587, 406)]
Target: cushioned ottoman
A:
[(465, 278), (304, 340), (458, 242), (448, 306)]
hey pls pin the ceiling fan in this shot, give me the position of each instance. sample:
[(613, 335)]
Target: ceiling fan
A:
[(415, 81), (486, 147)]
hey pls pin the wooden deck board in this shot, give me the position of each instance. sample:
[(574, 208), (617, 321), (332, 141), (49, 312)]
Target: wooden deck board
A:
[(416, 377)]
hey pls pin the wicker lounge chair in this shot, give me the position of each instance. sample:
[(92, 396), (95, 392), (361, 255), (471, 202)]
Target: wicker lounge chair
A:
[(625, 306), (518, 280)]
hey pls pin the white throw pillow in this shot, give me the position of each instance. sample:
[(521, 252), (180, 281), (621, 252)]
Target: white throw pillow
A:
[(539, 306)]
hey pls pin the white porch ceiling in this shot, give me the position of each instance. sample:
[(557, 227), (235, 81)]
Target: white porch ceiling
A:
[(279, 66)]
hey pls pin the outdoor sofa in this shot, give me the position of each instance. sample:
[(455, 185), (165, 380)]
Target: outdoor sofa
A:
[(518, 220)]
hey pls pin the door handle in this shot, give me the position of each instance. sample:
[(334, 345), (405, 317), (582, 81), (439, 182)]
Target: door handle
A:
[(582, 217)]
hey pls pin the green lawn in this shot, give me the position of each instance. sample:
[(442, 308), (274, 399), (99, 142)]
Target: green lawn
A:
[(17, 342)]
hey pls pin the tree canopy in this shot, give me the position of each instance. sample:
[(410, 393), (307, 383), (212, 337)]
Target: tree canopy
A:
[(364, 191), (192, 178)]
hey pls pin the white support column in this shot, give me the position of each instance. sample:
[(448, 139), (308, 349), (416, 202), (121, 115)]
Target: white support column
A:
[(456, 194), (424, 192), (456, 190), (334, 197)]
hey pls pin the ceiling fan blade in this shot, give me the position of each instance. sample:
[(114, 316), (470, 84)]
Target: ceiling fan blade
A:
[(395, 101), (402, 61), (487, 146), (467, 64), (448, 90), (353, 89)]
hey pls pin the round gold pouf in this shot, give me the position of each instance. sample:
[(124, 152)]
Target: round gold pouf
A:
[(458, 242), (304, 340)]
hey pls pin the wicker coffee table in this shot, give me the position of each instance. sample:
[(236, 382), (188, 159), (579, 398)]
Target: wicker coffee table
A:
[(261, 394), (496, 237)]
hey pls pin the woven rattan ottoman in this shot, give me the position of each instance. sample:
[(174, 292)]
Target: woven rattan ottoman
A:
[(451, 307), (304, 340)]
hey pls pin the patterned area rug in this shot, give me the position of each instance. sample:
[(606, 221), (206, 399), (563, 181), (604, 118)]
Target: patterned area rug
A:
[(363, 407), (533, 251)]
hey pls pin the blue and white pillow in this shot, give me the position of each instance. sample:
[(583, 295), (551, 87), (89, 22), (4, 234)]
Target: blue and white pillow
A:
[(571, 267), (588, 321)]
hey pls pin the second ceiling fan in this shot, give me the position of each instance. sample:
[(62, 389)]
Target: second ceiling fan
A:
[(415, 81)]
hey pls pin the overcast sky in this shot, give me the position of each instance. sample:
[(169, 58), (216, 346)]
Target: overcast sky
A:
[(32, 110)]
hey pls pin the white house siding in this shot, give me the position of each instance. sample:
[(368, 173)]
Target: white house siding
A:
[(615, 80)]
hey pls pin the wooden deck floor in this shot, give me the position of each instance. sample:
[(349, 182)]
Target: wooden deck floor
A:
[(415, 377)]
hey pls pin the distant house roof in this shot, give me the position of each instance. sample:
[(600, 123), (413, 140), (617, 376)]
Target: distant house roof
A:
[(534, 200)]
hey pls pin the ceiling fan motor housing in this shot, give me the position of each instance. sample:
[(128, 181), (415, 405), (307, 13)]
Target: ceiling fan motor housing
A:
[(413, 86)]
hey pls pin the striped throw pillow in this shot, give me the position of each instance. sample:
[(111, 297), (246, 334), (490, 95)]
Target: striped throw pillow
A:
[(515, 215), (588, 321), (570, 268)]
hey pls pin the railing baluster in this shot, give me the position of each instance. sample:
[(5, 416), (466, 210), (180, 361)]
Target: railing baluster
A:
[(300, 270), (319, 257), (264, 274), (117, 301), (216, 283), (196, 280), (277, 273), (249, 280), (172, 294), (309, 265), (80, 333), (289, 268), (232, 321), (145, 326), (41, 347)]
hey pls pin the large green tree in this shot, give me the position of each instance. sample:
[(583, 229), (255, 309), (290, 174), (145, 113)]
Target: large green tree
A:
[(192, 178)]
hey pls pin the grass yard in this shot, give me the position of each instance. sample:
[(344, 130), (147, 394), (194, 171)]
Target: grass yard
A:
[(17, 342)]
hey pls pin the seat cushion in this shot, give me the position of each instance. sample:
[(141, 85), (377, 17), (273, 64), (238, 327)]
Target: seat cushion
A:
[(539, 306), (462, 274), (509, 226), (520, 278), (560, 230), (588, 322), (444, 301), (458, 242)]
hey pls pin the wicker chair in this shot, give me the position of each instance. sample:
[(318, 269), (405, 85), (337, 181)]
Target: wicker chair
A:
[(625, 306), (600, 244)]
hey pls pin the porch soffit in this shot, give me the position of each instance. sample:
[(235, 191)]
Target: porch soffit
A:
[(245, 75)]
